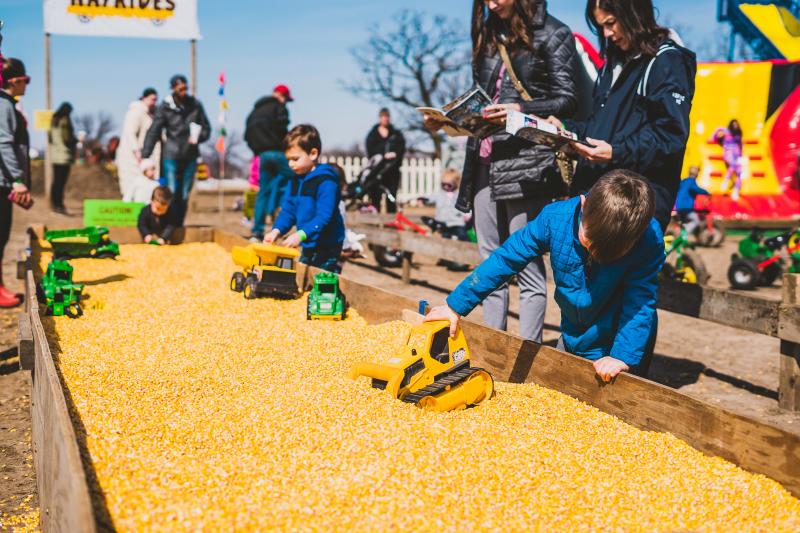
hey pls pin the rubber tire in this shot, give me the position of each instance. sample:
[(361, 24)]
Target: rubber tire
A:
[(237, 282), (387, 257), (711, 239), (770, 274), (73, 311), (106, 255), (693, 260), (743, 274), (249, 290), (344, 307), (308, 307)]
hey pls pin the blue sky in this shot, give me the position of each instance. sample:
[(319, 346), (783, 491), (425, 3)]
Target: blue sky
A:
[(258, 43)]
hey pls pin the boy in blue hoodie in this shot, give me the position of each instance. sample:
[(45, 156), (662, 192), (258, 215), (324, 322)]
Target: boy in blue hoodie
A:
[(684, 203), (606, 251), (311, 203)]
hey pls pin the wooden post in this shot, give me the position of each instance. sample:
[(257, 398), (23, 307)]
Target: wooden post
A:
[(406, 267), (789, 384), (193, 51), (48, 103)]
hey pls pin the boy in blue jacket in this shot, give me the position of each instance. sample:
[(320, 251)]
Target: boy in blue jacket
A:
[(684, 203), (606, 251), (311, 203)]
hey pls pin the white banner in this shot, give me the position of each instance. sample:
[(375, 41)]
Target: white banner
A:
[(151, 19)]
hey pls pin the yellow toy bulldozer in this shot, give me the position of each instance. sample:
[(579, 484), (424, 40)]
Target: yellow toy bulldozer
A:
[(267, 270), (432, 371)]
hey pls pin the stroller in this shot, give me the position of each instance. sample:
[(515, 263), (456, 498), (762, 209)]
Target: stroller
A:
[(358, 194)]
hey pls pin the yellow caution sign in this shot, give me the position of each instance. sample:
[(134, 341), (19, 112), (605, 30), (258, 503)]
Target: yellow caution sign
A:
[(42, 119)]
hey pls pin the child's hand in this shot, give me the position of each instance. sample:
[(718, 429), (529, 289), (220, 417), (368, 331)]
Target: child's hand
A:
[(293, 240), (270, 237), (161, 241), (608, 368), (443, 312), (555, 122), (148, 238)]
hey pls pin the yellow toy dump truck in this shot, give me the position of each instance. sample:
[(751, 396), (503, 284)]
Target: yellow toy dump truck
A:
[(267, 270), (432, 371)]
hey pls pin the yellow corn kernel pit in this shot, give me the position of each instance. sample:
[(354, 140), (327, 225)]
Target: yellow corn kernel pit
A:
[(204, 411)]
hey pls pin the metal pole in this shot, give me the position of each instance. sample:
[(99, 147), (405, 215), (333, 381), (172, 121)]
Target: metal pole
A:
[(193, 47), (48, 102)]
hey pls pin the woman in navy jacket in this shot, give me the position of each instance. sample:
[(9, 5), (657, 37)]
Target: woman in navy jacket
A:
[(641, 102)]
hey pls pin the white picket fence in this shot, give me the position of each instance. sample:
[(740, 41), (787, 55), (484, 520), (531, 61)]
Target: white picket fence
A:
[(418, 177)]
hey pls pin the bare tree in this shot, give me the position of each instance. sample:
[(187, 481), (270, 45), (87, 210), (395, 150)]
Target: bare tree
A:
[(419, 60), (98, 127)]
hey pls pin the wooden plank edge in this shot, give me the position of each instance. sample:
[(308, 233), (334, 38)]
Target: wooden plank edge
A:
[(64, 497), (25, 348)]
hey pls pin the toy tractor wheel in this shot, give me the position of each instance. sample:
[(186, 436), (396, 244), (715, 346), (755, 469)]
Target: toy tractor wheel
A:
[(712, 237), (388, 257), (106, 255), (250, 289), (770, 274), (308, 308), (344, 307), (237, 282), (694, 270), (40, 296), (743, 274), (73, 311)]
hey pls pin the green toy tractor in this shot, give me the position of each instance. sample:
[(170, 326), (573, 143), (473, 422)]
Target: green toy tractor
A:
[(326, 301), (58, 293), (761, 261), (92, 241)]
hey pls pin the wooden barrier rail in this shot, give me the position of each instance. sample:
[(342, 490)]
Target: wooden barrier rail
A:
[(760, 447), (737, 310)]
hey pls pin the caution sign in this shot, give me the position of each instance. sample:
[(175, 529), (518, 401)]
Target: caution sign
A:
[(111, 213), (42, 118), (151, 19)]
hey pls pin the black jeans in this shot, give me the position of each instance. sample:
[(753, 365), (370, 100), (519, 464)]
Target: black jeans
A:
[(60, 176), (6, 209)]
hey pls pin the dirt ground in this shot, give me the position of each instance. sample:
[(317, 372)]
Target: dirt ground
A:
[(734, 369)]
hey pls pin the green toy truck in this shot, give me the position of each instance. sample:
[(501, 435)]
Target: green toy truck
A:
[(58, 293), (326, 301), (92, 241)]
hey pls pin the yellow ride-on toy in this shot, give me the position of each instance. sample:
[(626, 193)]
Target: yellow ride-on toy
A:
[(432, 371), (267, 270)]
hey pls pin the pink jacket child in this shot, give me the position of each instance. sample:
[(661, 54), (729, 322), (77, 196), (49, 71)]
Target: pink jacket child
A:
[(255, 168), (730, 139)]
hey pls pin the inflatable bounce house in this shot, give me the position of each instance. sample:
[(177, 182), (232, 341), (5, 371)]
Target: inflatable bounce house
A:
[(764, 96)]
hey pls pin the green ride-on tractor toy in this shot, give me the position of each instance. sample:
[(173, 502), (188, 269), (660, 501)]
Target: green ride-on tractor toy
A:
[(326, 301), (92, 241), (683, 263), (58, 293), (760, 261)]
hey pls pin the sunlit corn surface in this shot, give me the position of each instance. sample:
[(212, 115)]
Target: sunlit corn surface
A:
[(205, 411)]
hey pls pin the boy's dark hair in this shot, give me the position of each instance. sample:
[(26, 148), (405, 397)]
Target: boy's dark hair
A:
[(147, 92), (162, 195), (176, 79), (617, 212), (384, 111), (305, 136)]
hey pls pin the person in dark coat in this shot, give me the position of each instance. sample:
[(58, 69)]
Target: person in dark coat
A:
[(184, 120), (506, 180), (641, 102), (386, 140), (266, 126)]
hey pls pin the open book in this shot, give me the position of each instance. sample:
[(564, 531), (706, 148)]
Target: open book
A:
[(537, 130), (464, 115)]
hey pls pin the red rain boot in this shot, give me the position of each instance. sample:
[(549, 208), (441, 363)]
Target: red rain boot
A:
[(8, 300), (5, 293)]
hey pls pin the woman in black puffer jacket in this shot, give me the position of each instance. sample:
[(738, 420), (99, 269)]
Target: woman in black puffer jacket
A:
[(506, 180)]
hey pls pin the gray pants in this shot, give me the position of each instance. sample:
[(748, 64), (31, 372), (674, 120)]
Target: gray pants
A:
[(494, 222)]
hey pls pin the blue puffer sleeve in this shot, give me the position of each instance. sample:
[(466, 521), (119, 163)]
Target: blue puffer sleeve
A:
[(519, 249)]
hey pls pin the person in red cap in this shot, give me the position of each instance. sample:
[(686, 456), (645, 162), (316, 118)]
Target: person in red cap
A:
[(266, 126)]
